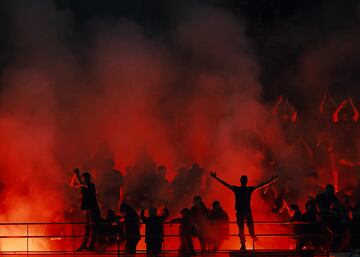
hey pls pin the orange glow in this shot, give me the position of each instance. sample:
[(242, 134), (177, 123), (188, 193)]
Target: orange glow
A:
[(22, 244), (198, 99)]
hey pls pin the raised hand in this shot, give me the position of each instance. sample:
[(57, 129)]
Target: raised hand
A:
[(213, 174)]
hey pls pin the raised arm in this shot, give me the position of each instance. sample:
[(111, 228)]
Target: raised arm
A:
[(266, 183), (292, 110), (326, 98), (76, 180), (338, 109), (276, 107), (356, 112), (309, 151), (213, 174), (322, 103)]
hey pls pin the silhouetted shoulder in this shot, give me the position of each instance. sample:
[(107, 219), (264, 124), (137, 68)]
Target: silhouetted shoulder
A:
[(234, 188)]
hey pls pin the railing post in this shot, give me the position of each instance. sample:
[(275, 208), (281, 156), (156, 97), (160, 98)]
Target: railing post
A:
[(253, 242), (163, 246), (118, 239), (73, 238), (27, 239)]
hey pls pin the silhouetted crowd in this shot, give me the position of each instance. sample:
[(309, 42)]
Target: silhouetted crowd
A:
[(210, 226), (320, 149), (323, 172), (147, 185), (327, 222)]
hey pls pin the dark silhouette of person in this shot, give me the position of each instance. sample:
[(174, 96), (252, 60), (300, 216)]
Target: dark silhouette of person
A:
[(296, 216), (219, 223), (345, 118), (111, 185), (109, 232), (187, 231), (131, 227), (113, 228), (287, 117), (199, 214), (337, 224), (242, 204), (198, 180), (355, 227), (89, 205), (180, 189), (161, 185), (348, 209), (313, 229), (154, 230), (330, 214), (324, 202), (280, 206)]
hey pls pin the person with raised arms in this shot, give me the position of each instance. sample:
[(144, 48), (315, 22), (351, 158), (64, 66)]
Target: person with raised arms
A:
[(243, 204)]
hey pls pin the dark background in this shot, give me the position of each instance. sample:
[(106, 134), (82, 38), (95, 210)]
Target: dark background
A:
[(280, 31)]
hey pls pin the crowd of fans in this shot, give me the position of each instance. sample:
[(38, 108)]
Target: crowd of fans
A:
[(327, 222), (326, 144), (326, 147), (147, 184), (210, 226)]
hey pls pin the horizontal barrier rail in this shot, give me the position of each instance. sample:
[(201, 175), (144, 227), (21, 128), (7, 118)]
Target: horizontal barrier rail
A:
[(166, 222), (26, 232)]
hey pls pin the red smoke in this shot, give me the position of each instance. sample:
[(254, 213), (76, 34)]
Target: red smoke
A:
[(193, 98)]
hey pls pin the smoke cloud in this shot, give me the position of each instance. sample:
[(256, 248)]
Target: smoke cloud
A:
[(189, 94)]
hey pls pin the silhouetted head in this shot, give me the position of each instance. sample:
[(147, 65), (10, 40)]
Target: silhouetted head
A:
[(216, 204), (110, 216), (197, 201), (330, 189), (294, 208), (152, 212), (127, 211), (86, 177), (124, 207), (195, 166), (243, 180)]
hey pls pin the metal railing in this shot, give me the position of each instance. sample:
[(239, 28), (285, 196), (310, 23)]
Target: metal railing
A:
[(65, 237)]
